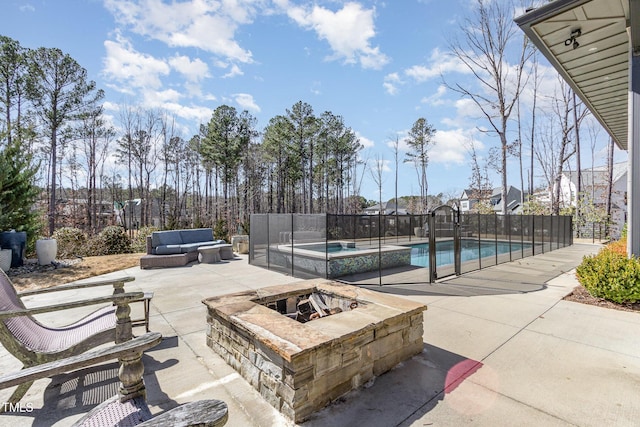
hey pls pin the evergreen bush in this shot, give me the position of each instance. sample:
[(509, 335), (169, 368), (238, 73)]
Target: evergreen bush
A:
[(110, 241), (611, 275), (139, 242), (71, 242), (220, 231), (18, 193)]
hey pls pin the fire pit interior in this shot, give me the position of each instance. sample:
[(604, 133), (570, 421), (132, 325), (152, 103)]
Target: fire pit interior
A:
[(316, 305), (305, 344)]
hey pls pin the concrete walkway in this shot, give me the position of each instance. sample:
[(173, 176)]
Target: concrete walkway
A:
[(501, 348)]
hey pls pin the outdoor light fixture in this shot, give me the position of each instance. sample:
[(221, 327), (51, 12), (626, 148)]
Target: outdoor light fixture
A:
[(573, 39)]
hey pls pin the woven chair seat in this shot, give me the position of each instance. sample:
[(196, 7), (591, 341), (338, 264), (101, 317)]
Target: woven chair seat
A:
[(114, 413), (42, 339)]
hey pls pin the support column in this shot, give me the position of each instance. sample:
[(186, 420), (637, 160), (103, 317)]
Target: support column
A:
[(633, 173)]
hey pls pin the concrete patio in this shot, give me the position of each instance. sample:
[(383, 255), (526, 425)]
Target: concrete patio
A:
[(501, 347)]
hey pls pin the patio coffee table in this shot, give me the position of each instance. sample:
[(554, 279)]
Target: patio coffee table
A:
[(209, 254)]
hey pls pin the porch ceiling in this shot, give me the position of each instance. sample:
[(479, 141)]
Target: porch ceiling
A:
[(597, 68)]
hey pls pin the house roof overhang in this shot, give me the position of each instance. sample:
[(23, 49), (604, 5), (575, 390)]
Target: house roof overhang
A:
[(589, 42)]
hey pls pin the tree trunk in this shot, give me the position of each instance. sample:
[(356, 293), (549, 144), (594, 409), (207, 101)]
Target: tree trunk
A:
[(52, 199), (578, 164), (610, 177), (503, 188)]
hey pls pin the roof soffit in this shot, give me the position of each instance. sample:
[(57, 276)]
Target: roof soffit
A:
[(597, 69)]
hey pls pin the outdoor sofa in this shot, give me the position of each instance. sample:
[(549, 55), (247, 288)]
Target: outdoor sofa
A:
[(174, 248)]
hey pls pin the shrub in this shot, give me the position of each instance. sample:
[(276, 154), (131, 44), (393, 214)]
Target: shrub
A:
[(139, 242), (611, 275), (71, 242), (220, 230), (619, 247), (111, 240)]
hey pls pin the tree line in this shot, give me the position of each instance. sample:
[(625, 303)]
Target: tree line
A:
[(139, 162)]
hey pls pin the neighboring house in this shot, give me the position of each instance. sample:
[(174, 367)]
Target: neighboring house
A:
[(470, 198), (594, 185), (72, 212), (386, 209), (123, 210)]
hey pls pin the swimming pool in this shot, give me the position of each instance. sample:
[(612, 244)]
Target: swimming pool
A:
[(470, 249), (331, 247), (338, 258)]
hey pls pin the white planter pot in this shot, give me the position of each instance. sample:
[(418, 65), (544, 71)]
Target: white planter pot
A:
[(5, 259), (46, 250)]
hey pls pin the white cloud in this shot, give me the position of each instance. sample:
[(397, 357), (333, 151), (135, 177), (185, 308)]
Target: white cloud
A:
[(206, 25), (316, 88), (366, 142), (374, 164), (233, 71), (468, 114), (159, 97), (27, 8), (110, 106), (348, 31), (450, 146), (391, 83), (125, 65), (194, 70), (436, 98), (196, 114), (246, 101), (439, 64)]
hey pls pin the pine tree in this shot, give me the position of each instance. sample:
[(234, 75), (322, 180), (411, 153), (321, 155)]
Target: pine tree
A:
[(18, 194)]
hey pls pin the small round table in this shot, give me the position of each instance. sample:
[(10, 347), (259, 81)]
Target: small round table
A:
[(226, 250), (209, 254)]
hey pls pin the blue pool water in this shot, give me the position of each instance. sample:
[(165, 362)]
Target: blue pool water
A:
[(469, 251), (330, 248)]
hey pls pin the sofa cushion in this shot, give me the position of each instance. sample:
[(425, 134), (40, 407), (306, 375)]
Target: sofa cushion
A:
[(190, 247), (196, 235), (170, 237), (168, 249)]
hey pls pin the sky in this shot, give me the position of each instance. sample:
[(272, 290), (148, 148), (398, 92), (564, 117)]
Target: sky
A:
[(380, 65)]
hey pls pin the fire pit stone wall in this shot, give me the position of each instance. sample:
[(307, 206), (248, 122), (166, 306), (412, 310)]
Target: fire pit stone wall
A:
[(301, 367)]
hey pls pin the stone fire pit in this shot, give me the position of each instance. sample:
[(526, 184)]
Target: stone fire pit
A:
[(301, 367)]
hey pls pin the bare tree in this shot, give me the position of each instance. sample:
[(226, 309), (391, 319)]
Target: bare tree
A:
[(420, 142), (610, 176), (518, 147), (556, 147), (579, 113), (486, 38), (395, 146), (479, 179), (562, 110), (536, 83), (594, 129), (376, 169), (95, 137)]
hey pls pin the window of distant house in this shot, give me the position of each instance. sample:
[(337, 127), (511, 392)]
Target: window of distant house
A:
[(464, 205)]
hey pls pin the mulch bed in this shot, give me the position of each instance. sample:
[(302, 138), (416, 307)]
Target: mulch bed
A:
[(581, 295), (31, 266)]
